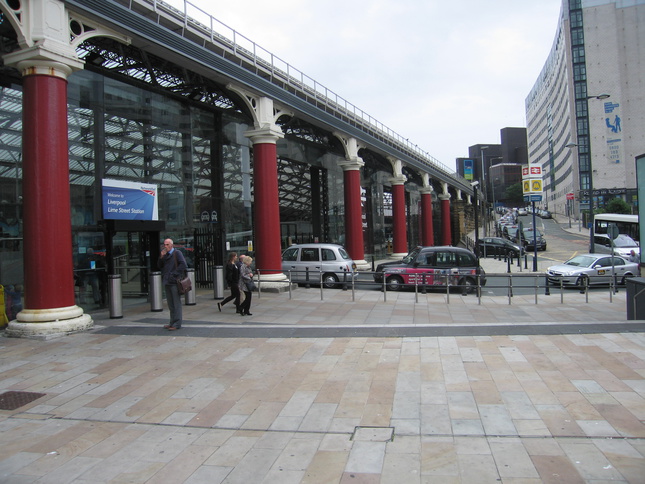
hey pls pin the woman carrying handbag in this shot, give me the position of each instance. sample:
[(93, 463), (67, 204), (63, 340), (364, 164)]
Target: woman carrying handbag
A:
[(246, 285)]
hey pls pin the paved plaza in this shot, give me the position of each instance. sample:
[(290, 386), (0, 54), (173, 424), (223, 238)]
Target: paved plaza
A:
[(339, 389)]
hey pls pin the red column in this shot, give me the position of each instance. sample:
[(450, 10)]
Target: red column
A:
[(446, 229), (48, 266), (427, 234), (400, 234), (266, 208), (353, 212)]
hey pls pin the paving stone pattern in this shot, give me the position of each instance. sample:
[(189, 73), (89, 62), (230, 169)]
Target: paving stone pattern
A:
[(189, 406)]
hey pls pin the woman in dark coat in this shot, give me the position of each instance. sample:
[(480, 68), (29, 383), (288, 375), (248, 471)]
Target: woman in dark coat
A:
[(233, 280)]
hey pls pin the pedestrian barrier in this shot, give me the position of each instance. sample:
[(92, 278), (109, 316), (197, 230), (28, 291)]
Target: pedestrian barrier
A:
[(448, 285), (156, 292), (115, 294)]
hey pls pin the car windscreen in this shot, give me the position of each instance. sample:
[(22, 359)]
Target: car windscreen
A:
[(580, 261), (411, 256), (290, 255), (343, 253), (624, 241)]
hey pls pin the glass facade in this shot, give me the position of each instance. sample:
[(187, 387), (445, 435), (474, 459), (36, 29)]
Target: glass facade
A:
[(201, 162)]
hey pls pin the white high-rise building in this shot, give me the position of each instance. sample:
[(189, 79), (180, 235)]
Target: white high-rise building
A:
[(586, 112)]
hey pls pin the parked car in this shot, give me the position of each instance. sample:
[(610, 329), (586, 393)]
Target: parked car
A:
[(509, 231), (522, 211), (530, 238), (591, 269), (545, 214), (623, 245), (310, 262), (433, 266), (492, 246)]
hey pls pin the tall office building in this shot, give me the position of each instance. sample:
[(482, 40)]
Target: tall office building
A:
[(586, 112)]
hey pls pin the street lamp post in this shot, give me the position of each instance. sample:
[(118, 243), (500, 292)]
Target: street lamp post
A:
[(476, 251), (483, 182), (571, 146)]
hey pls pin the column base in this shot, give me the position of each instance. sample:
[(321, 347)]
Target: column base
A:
[(363, 265), (277, 282), (49, 323), (398, 255)]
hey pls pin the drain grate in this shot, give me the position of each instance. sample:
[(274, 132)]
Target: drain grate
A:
[(14, 400), (373, 434)]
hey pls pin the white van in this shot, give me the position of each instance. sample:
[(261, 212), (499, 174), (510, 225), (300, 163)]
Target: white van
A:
[(311, 262)]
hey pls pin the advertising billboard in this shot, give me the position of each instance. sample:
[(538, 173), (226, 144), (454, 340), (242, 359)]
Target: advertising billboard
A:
[(124, 200), (468, 169)]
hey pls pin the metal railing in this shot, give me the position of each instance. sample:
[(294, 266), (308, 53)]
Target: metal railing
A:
[(445, 284), (197, 22)]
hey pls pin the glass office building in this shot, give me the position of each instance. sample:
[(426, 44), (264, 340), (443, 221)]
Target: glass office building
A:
[(186, 136), (585, 117)]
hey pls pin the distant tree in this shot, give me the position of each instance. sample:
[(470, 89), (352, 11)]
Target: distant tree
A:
[(618, 205), (514, 195)]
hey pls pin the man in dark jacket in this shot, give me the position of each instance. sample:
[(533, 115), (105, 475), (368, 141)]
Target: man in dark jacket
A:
[(172, 265)]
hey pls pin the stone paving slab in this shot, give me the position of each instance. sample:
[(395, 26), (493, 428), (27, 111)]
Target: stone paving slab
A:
[(126, 405)]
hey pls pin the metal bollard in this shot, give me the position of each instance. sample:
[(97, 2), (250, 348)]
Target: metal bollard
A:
[(189, 297), (156, 292), (115, 296), (218, 282)]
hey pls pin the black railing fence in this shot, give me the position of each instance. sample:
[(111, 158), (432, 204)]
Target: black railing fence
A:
[(449, 284)]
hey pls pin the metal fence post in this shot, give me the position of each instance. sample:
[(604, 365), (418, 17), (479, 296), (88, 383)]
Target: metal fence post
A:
[(115, 294), (156, 292), (189, 297), (218, 282)]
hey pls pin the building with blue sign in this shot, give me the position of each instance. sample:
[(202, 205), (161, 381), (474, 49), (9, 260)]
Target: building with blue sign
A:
[(585, 116)]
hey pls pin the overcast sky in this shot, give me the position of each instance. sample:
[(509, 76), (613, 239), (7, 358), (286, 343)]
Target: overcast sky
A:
[(446, 74)]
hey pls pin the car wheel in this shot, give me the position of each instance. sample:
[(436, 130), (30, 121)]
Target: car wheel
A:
[(394, 283), (582, 281), (468, 285), (330, 281), (623, 281)]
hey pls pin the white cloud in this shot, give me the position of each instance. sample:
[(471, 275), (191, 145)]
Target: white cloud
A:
[(444, 74)]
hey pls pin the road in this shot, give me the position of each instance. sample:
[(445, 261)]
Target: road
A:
[(562, 244)]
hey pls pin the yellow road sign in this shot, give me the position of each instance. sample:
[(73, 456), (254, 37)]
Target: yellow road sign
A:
[(536, 185), (526, 186)]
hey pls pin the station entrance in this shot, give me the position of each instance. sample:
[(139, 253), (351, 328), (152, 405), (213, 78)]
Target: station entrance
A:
[(132, 250)]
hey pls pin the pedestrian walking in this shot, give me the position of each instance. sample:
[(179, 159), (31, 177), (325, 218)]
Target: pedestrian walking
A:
[(233, 280), (172, 265), (246, 285)]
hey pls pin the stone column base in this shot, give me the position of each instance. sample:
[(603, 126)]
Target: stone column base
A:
[(277, 282), (49, 323), (363, 265)]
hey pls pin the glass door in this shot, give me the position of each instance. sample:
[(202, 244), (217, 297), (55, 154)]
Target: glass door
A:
[(132, 258)]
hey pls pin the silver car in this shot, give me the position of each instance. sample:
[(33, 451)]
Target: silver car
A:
[(623, 245), (308, 263), (591, 269)]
